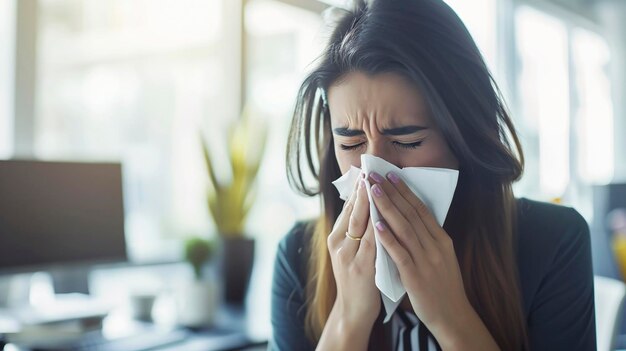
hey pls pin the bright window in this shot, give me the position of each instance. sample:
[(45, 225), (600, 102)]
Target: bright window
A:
[(590, 55), (133, 80), (480, 18), (282, 41), (543, 84)]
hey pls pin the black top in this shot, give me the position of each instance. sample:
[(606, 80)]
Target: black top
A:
[(556, 276)]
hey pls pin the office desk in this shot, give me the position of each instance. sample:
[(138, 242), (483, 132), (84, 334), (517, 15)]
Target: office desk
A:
[(120, 333), (230, 334), (115, 283)]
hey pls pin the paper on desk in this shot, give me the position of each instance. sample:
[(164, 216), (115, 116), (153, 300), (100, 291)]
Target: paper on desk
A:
[(434, 186)]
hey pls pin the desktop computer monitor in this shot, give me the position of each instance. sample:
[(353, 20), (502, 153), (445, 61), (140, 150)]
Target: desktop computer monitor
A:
[(60, 214)]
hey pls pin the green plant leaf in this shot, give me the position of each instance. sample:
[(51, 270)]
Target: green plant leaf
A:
[(209, 165), (197, 252), (230, 204)]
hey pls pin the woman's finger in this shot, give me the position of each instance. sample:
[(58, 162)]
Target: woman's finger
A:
[(366, 253), (426, 217), (435, 248), (407, 210), (358, 221), (396, 250), (395, 220), (337, 234)]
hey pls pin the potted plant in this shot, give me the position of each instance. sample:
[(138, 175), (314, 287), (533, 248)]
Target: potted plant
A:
[(198, 300), (198, 251), (230, 202)]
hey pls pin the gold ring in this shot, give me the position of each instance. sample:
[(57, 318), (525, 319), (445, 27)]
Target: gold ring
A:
[(356, 238)]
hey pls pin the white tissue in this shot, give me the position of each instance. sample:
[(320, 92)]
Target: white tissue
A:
[(434, 186)]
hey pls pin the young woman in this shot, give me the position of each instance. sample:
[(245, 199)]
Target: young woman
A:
[(403, 80)]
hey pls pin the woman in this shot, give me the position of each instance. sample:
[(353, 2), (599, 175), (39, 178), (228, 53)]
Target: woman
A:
[(403, 80)]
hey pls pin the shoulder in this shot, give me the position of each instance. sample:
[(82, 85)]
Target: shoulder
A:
[(297, 239), (548, 220), (553, 243), (546, 228), (288, 291), (293, 252)]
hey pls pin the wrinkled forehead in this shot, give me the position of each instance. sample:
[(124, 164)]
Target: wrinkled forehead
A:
[(386, 99)]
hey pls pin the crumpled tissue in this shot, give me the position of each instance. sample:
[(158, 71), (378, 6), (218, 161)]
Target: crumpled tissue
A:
[(434, 186)]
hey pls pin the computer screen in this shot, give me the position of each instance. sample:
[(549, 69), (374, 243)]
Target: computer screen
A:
[(60, 213)]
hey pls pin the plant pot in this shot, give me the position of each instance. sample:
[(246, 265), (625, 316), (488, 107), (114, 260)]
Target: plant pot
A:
[(141, 305), (197, 303), (236, 268)]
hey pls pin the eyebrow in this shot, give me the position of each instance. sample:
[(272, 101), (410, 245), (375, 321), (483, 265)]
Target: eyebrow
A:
[(390, 131)]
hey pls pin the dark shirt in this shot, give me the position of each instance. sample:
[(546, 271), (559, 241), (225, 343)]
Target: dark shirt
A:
[(556, 277)]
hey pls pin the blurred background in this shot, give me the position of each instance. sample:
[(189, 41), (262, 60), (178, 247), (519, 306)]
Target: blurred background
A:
[(155, 91)]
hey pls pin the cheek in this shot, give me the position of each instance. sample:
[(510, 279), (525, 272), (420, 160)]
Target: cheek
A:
[(429, 157), (438, 155)]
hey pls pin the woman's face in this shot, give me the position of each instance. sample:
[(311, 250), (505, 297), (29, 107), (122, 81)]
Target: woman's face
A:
[(385, 116)]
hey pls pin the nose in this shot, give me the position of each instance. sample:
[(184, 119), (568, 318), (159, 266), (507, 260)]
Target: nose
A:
[(386, 153)]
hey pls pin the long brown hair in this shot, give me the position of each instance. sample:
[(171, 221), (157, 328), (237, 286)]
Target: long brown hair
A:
[(426, 42)]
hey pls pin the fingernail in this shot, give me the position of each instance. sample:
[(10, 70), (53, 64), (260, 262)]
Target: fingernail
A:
[(380, 226), (377, 177), (393, 178), (361, 183), (378, 192)]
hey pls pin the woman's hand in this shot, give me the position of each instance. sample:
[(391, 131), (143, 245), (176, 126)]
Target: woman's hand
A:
[(424, 254), (358, 299)]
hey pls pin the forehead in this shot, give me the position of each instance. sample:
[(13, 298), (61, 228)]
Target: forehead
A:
[(388, 98)]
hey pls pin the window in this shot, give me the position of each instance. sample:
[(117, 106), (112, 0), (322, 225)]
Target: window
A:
[(594, 113), (134, 80), (282, 41), (480, 18), (565, 105), (543, 82)]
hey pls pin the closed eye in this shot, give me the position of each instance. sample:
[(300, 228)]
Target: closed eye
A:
[(414, 145), (352, 147)]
